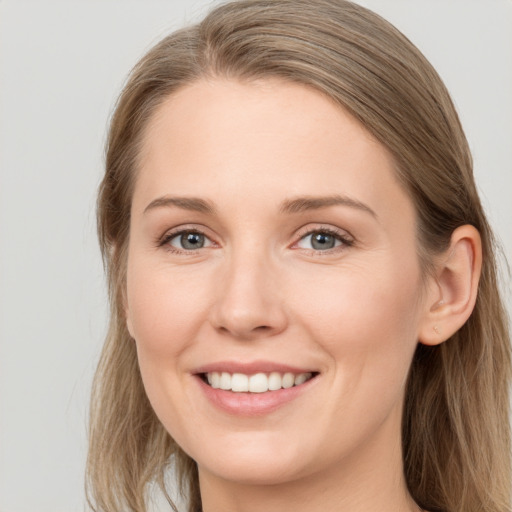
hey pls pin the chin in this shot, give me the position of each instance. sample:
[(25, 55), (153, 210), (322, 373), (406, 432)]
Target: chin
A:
[(249, 472), (254, 462)]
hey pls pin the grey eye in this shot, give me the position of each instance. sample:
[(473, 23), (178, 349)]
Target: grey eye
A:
[(319, 240), (322, 241), (192, 241), (189, 241)]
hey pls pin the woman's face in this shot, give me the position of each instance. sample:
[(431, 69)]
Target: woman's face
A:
[(271, 246)]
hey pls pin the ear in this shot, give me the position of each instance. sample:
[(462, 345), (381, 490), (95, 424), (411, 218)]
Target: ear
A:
[(129, 325), (127, 316), (452, 294)]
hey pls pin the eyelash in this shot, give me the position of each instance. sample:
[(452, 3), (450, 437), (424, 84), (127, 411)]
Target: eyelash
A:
[(342, 236), (166, 239), (346, 240)]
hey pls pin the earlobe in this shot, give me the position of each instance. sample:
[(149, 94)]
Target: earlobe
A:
[(127, 316), (453, 297), (129, 325), (126, 310)]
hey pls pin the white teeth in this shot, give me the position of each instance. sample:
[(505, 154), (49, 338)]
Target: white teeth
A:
[(288, 380), (274, 381), (215, 380), (301, 378), (225, 381), (257, 383), (239, 382)]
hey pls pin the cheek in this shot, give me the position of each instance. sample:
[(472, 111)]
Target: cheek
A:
[(163, 308), (366, 319), (353, 301), (163, 313)]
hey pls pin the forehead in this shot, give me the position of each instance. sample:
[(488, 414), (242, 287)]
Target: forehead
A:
[(269, 138)]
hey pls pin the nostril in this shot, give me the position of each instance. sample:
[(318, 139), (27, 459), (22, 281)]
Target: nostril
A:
[(249, 332), (262, 328)]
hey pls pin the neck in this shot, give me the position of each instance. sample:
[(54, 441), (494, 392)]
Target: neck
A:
[(370, 480)]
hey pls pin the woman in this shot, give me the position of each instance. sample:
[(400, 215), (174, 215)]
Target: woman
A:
[(305, 312)]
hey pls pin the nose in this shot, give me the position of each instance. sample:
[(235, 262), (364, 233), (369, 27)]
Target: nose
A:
[(249, 304)]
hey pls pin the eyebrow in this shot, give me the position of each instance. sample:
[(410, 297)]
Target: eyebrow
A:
[(296, 205), (305, 203), (186, 203)]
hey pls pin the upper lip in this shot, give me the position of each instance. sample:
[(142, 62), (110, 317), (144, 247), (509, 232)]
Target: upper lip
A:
[(250, 368)]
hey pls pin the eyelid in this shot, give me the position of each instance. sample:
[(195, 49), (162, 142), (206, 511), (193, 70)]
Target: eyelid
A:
[(346, 239), (163, 241)]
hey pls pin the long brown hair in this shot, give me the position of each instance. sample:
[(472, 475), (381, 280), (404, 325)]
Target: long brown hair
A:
[(456, 431)]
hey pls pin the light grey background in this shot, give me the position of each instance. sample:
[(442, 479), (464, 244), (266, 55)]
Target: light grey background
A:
[(62, 65)]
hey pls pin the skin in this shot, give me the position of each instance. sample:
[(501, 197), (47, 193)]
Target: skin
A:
[(258, 290)]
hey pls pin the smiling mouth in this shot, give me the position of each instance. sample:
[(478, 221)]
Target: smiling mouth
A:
[(256, 383)]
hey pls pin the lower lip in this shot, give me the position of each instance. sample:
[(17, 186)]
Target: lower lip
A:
[(252, 404)]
